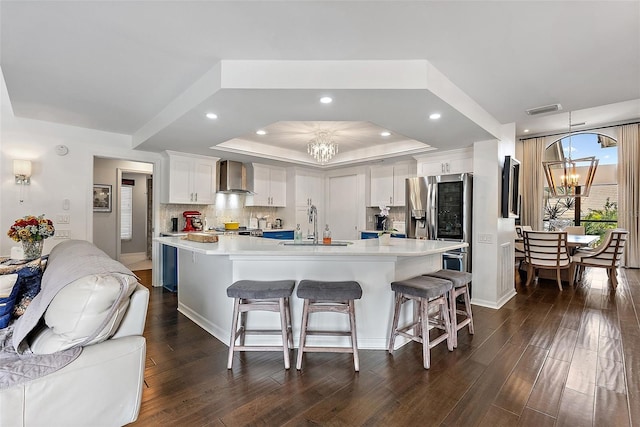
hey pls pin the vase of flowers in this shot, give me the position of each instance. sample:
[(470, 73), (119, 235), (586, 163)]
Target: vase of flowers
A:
[(31, 231)]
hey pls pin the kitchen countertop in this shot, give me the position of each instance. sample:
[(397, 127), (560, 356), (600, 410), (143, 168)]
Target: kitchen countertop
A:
[(247, 245)]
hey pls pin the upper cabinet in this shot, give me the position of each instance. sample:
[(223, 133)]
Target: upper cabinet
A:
[(191, 179), (309, 189), (269, 186), (388, 184), (446, 163)]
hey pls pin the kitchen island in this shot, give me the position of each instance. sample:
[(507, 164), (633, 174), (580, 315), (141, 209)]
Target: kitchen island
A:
[(205, 270)]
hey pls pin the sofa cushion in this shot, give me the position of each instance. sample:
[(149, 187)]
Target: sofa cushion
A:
[(78, 310), (69, 262)]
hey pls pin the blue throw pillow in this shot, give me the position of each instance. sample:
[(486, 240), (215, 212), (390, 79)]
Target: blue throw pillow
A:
[(7, 302), (29, 279)]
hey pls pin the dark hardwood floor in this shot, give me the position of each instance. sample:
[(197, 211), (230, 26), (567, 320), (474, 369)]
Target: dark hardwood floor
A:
[(546, 358)]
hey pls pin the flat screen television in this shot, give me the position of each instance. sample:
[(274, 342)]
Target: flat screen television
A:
[(510, 188)]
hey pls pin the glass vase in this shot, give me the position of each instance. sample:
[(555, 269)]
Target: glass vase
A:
[(32, 250)]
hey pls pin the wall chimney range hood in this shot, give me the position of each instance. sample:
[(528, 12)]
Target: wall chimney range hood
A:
[(234, 177)]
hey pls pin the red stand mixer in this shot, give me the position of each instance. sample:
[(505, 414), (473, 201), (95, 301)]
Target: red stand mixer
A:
[(192, 221)]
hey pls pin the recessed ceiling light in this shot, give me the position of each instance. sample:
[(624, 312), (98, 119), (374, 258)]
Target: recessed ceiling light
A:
[(434, 116), (326, 100), (261, 132), (212, 116), (385, 133), (526, 131)]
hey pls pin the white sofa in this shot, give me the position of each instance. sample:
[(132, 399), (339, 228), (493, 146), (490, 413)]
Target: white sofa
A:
[(103, 385)]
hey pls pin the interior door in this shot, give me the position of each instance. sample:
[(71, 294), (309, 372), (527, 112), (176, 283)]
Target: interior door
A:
[(342, 212)]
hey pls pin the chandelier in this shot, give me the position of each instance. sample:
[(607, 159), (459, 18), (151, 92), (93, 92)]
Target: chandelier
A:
[(322, 147), (569, 177)]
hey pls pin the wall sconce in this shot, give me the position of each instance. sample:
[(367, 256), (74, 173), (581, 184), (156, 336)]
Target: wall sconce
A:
[(22, 171)]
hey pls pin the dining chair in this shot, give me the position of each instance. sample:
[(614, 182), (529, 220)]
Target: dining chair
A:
[(575, 229), (606, 255), (521, 228), (546, 250)]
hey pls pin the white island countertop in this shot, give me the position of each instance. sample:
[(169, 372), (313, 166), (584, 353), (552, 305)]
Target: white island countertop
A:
[(248, 245)]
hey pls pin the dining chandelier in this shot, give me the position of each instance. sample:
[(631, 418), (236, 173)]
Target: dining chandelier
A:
[(570, 177), (322, 147)]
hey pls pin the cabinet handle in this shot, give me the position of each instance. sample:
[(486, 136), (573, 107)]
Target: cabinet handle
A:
[(196, 196), (442, 167), (390, 200)]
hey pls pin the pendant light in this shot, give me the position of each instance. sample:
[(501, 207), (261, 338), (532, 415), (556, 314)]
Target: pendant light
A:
[(570, 177)]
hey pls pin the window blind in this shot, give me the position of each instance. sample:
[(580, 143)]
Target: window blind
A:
[(126, 212)]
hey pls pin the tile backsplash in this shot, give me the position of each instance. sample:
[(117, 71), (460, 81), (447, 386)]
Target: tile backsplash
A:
[(227, 207)]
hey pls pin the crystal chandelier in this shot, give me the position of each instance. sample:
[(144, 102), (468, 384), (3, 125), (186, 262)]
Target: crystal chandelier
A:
[(570, 177), (322, 147)]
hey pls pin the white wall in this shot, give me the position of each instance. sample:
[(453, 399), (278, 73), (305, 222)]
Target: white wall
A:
[(54, 178), (493, 272)]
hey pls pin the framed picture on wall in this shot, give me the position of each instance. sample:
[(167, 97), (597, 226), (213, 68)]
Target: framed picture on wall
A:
[(101, 198)]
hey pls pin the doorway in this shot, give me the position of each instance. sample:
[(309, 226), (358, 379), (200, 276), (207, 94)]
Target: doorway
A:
[(107, 226)]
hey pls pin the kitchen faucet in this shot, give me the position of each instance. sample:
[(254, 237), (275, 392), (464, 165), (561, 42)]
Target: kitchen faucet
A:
[(313, 217)]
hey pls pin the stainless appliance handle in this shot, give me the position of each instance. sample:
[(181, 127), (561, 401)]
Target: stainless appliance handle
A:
[(450, 255)]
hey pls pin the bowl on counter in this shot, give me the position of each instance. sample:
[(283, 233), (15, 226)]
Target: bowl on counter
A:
[(231, 225)]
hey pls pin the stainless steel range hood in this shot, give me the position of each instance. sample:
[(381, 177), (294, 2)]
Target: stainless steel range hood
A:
[(234, 177)]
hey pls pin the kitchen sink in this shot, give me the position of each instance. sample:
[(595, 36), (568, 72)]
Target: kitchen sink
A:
[(333, 243)]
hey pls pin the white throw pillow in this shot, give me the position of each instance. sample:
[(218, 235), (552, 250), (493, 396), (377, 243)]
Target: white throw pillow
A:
[(78, 310), (6, 284)]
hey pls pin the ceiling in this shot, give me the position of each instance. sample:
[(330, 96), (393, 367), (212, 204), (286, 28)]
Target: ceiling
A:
[(152, 70)]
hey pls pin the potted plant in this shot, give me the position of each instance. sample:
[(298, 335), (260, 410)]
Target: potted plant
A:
[(384, 236)]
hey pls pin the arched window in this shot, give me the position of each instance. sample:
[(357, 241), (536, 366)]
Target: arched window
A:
[(599, 211)]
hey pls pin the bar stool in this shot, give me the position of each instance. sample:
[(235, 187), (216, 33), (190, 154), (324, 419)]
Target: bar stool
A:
[(334, 297), (424, 291), (255, 295), (461, 281)]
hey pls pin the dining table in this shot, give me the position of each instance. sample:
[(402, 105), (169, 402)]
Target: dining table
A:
[(574, 242)]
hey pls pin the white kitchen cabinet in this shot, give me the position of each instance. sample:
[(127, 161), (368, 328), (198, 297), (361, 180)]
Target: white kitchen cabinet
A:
[(388, 184), (269, 186), (309, 190), (446, 163), (191, 179)]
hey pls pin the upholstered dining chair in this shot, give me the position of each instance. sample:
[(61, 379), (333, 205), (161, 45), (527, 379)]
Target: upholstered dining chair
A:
[(546, 250), (575, 229), (520, 229), (606, 255)]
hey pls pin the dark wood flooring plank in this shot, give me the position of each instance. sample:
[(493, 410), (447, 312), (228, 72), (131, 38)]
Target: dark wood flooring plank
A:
[(610, 375), (547, 391), (611, 408), (476, 402), (498, 417), (531, 418), (563, 344), (582, 372), (515, 392), (589, 332), (576, 409)]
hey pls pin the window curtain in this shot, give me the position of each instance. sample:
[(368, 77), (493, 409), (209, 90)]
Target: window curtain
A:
[(532, 183), (629, 191)]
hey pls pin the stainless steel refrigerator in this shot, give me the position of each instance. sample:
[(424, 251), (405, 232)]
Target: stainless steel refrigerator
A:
[(440, 208)]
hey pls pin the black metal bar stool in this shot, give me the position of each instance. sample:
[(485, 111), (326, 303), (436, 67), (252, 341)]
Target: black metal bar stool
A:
[(255, 295), (335, 297), (425, 291), (461, 281)]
